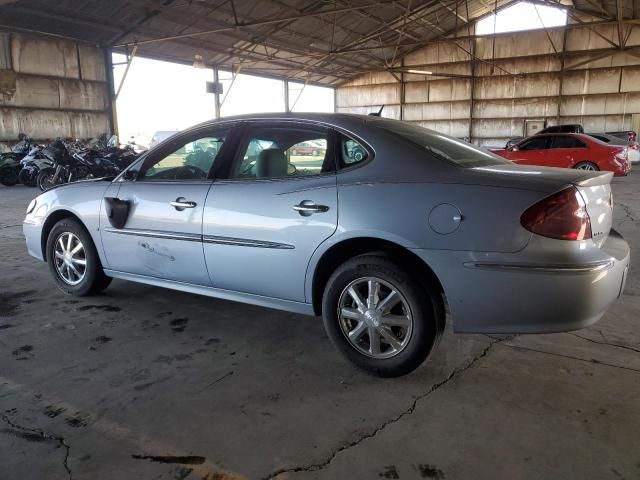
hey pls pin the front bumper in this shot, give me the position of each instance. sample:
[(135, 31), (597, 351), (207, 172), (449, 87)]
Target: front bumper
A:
[(508, 297), (33, 235)]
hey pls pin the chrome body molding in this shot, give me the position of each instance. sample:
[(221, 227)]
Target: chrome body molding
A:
[(243, 242), (192, 237), (590, 268)]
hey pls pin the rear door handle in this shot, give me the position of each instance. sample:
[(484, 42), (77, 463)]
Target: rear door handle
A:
[(181, 203), (308, 207)]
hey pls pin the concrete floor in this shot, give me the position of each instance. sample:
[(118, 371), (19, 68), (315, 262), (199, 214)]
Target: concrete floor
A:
[(146, 383)]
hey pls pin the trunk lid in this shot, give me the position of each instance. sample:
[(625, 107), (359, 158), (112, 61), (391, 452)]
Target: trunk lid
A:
[(594, 187)]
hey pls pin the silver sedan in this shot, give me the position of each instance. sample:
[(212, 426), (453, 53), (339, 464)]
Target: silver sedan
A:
[(380, 233)]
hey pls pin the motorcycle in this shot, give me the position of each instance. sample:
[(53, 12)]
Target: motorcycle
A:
[(70, 167), (10, 162), (31, 166)]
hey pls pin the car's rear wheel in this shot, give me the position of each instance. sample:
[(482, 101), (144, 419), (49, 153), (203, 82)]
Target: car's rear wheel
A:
[(380, 317), (589, 166), (73, 260)]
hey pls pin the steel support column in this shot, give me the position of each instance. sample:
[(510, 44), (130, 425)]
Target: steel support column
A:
[(111, 101)]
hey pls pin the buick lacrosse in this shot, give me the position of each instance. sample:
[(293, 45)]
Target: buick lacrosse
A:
[(384, 229)]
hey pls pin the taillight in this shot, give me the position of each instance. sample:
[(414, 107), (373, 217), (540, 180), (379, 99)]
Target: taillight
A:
[(621, 155), (562, 215)]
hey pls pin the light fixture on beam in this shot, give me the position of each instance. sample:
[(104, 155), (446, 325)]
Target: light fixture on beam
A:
[(420, 72), (198, 62)]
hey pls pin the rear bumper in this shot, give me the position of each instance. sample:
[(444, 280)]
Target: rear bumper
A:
[(509, 297)]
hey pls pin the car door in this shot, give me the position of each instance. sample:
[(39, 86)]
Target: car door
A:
[(530, 152), (165, 197), (264, 221), (567, 150)]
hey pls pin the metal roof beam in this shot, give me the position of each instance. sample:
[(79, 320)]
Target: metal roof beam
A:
[(273, 21)]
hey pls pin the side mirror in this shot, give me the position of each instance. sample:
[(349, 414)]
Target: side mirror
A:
[(514, 148)]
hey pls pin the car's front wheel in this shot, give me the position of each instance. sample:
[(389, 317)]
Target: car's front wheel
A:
[(73, 260), (380, 317)]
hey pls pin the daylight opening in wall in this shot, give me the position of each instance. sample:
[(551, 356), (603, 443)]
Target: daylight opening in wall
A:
[(522, 16)]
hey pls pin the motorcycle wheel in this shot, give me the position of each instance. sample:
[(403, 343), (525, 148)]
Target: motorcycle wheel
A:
[(28, 178), (8, 176), (45, 179)]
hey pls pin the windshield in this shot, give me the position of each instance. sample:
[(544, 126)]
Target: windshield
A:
[(442, 146)]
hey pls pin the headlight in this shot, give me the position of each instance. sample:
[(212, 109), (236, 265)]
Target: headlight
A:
[(31, 206)]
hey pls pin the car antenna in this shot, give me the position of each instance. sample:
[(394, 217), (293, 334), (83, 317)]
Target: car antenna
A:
[(378, 113)]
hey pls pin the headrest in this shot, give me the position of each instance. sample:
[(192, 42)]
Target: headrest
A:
[(271, 163)]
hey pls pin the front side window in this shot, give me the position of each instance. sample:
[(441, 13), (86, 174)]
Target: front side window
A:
[(287, 151), (192, 161)]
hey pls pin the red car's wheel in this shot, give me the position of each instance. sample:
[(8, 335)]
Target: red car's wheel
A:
[(590, 166)]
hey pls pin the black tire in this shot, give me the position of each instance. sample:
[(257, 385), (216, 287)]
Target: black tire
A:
[(94, 280), (8, 176), (588, 166), (424, 303), (27, 178), (44, 180)]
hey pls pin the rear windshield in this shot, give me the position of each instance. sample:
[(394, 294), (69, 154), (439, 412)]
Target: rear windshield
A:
[(442, 146)]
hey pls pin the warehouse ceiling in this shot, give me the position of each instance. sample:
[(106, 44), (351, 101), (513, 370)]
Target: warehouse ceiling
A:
[(319, 41)]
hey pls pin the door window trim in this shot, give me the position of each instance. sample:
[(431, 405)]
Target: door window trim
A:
[(166, 148), (244, 136)]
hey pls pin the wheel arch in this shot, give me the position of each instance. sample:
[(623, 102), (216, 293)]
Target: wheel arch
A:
[(53, 218), (342, 251)]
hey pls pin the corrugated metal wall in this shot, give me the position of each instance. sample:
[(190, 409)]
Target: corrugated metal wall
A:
[(60, 89), (536, 75)]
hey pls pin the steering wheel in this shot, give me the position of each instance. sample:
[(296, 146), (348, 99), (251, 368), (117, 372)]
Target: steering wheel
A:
[(188, 172)]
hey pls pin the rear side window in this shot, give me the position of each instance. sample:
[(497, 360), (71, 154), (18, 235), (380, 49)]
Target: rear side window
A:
[(563, 141), (284, 151), (535, 143), (352, 152)]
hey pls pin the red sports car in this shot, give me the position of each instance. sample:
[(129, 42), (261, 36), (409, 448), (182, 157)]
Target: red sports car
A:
[(569, 150)]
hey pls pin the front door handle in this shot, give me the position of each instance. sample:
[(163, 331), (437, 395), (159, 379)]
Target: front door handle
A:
[(308, 207), (181, 203)]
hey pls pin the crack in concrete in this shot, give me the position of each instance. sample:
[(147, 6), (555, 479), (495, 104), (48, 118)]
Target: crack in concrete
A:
[(571, 357), (320, 466), (617, 345), (43, 435), (627, 212)]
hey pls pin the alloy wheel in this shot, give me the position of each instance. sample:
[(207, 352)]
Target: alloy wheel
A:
[(375, 317), (586, 166), (70, 258)]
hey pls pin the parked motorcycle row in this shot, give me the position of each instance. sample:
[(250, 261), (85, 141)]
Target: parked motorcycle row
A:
[(63, 161)]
